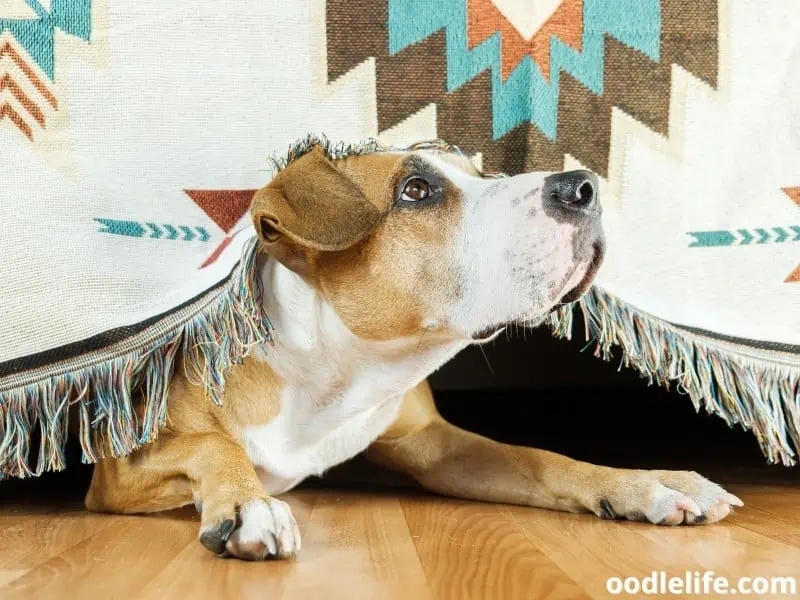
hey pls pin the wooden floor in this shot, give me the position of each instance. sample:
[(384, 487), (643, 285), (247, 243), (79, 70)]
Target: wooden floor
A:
[(383, 543)]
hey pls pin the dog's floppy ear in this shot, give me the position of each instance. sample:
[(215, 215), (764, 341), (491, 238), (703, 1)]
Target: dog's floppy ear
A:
[(315, 206)]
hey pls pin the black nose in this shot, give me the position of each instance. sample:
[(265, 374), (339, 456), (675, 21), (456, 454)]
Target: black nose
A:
[(573, 189)]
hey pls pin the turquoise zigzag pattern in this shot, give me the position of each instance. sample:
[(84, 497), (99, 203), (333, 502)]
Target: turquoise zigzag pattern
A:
[(526, 95), (37, 35)]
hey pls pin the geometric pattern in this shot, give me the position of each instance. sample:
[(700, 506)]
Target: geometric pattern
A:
[(794, 195), (526, 103), (226, 208), (744, 237), (486, 17), (26, 108), (156, 231), (757, 235), (27, 57)]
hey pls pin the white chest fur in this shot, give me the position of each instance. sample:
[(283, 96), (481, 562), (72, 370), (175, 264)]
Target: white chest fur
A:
[(341, 391), (307, 438)]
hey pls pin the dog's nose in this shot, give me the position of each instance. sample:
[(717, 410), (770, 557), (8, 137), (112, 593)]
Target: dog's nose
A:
[(573, 189)]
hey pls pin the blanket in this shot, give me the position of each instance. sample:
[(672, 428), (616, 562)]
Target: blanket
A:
[(133, 136)]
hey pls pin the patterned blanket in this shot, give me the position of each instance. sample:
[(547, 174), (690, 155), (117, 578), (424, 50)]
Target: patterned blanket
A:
[(133, 134)]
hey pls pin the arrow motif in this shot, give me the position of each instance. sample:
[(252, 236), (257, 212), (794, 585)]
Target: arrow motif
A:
[(188, 233), (173, 233), (747, 237), (782, 234), (155, 230), (723, 237), (136, 229)]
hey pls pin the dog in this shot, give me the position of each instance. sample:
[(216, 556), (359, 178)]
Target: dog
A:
[(376, 270)]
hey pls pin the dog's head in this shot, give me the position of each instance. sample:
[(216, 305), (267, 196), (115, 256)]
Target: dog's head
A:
[(402, 243)]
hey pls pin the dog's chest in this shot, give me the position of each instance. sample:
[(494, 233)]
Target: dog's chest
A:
[(313, 433)]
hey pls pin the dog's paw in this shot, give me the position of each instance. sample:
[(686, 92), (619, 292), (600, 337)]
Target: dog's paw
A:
[(666, 498), (261, 529)]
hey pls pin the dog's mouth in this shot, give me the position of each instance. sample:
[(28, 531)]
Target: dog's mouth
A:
[(598, 251), (573, 294)]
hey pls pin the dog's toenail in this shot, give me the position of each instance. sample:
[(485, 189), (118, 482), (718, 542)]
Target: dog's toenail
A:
[(214, 539), (606, 510)]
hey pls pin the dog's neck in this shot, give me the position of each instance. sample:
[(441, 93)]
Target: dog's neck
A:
[(315, 352)]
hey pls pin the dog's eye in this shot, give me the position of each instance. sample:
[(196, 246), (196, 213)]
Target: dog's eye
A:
[(416, 189)]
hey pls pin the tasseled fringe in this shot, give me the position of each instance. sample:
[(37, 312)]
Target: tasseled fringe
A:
[(219, 336), (339, 150), (759, 395)]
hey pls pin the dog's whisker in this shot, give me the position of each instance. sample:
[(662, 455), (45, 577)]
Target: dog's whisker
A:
[(486, 358)]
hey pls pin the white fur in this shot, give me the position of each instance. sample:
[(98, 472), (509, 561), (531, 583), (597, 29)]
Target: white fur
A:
[(268, 522), (515, 259), (682, 498), (341, 391)]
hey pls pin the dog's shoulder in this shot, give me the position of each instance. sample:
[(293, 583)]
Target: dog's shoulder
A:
[(252, 397)]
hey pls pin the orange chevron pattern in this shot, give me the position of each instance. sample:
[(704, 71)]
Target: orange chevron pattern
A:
[(7, 83), (34, 114), (566, 23), (6, 110)]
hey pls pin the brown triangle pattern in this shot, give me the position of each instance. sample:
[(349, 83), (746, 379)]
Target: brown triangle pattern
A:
[(794, 194), (416, 76), (224, 207)]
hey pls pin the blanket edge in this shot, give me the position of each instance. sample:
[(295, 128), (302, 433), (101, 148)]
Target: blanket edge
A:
[(749, 390), (219, 336)]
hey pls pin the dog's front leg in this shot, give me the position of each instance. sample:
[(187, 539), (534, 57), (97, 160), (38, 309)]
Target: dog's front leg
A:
[(238, 518), (453, 462)]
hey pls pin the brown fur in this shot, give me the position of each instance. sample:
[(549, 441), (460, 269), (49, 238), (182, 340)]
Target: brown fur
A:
[(195, 426), (336, 225), (374, 272)]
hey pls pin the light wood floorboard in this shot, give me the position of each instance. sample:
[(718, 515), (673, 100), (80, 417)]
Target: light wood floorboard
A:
[(381, 543)]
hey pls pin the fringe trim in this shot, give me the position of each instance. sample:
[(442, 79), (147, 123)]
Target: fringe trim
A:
[(338, 150), (215, 339), (758, 394)]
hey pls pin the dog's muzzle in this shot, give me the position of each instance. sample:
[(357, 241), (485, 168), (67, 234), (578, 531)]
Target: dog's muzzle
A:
[(574, 196)]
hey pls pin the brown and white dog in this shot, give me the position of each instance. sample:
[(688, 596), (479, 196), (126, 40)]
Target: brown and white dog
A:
[(377, 269)]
